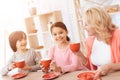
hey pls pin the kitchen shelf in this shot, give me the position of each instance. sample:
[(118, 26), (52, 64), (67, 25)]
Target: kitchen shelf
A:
[(32, 34), (38, 30)]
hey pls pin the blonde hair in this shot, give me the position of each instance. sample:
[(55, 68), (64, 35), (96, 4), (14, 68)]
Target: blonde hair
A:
[(101, 22)]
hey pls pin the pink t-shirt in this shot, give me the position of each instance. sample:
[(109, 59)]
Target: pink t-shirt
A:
[(64, 59)]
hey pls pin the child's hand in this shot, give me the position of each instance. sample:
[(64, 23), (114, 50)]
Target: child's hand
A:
[(58, 69), (54, 67), (12, 66), (26, 67), (45, 70)]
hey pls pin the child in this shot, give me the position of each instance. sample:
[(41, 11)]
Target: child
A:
[(63, 59), (18, 42)]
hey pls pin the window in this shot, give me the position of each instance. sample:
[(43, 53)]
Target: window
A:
[(12, 13)]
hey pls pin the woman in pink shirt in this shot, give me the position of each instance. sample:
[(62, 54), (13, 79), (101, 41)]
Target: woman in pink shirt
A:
[(103, 43), (63, 59)]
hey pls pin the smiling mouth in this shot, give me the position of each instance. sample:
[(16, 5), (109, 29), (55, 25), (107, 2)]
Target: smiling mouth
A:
[(23, 45)]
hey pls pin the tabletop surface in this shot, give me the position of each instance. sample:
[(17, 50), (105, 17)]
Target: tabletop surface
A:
[(68, 76)]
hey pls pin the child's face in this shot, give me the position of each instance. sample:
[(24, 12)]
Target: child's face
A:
[(59, 35), (21, 44)]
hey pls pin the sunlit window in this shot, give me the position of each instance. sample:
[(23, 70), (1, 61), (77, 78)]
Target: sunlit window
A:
[(12, 14)]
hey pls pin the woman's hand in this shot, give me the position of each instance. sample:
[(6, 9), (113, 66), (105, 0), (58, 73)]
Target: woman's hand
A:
[(12, 66), (82, 58), (103, 70)]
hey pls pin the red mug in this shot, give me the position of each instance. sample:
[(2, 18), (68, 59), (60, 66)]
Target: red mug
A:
[(75, 47), (20, 64), (46, 63)]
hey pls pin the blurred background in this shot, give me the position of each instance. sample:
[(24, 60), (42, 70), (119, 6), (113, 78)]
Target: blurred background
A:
[(14, 15)]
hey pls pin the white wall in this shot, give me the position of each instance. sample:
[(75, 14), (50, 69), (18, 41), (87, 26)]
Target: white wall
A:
[(12, 13)]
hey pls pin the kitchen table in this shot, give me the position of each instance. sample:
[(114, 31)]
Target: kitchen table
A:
[(67, 76)]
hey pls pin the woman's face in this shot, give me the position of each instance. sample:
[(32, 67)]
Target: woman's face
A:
[(21, 44), (59, 35), (90, 29)]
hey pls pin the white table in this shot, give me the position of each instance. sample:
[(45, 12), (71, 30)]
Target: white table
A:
[(67, 76)]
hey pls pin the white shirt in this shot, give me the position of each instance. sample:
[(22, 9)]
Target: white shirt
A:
[(101, 53)]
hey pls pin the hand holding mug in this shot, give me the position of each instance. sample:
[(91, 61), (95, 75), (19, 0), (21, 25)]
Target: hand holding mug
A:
[(12, 66), (45, 64), (20, 64), (54, 67), (26, 67)]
